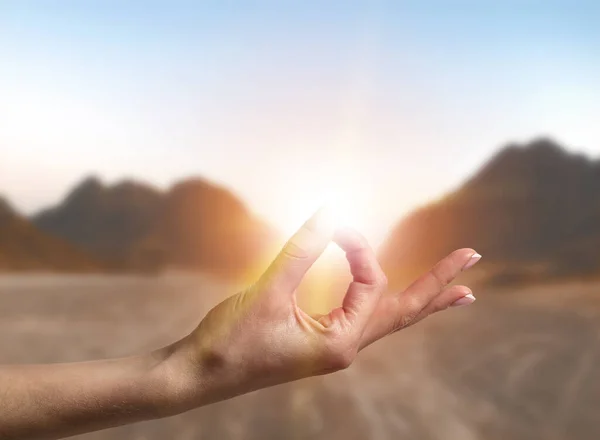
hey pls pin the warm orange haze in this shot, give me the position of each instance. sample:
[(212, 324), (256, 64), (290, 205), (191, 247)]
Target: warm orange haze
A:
[(527, 208), (523, 351), (155, 156)]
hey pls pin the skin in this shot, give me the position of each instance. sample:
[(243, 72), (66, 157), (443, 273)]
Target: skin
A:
[(252, 340)]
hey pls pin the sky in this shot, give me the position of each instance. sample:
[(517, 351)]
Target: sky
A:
[(374, 106)]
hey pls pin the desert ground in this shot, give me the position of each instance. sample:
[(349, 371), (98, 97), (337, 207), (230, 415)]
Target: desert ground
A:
[(520, 364)]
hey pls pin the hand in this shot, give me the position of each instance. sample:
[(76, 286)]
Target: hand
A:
[(260, 337), (257, 338)]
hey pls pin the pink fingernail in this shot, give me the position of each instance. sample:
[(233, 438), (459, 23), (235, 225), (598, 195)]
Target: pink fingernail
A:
[(472, 261), (464, 301)]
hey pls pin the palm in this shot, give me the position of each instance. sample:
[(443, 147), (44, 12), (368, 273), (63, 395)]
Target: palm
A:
[(261, 337)]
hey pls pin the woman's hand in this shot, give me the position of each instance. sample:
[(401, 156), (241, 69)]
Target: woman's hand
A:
[(255, 339), (260, 337)]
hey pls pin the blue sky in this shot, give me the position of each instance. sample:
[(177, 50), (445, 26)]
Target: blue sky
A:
[(383, 104)]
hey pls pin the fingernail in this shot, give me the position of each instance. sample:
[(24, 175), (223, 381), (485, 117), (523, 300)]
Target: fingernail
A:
[(472, 261), (464, 301)]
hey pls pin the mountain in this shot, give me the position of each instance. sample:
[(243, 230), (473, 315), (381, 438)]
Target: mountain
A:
[(201, 225), (532, 211), (107, 221), (132, 226), (24, 247)]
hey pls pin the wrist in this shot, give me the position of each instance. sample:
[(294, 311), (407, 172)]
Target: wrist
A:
[(180, 378)]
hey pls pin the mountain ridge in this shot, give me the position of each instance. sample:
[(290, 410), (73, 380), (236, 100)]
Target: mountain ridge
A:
[(532, 210), (25, 247), (195, 225)]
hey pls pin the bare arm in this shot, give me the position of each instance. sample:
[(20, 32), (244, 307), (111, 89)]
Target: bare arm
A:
[(50, 401), (254, 339)]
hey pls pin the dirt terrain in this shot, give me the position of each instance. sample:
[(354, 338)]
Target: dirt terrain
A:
[(518, 364)]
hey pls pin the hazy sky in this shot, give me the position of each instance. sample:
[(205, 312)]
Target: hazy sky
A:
[(383, 104)]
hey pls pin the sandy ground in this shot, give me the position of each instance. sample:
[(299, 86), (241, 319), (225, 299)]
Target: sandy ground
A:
[(518, 364)]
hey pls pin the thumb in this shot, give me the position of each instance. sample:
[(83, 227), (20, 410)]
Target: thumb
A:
[(300, 252)]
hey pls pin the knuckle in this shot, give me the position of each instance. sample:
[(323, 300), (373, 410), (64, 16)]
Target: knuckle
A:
[(340, 356), (440, 276), (447, 269), (411, 307), (382, 280), (294, 251), (372, 275), (405, 320), (343, 360), (439, 306), (455, 262)]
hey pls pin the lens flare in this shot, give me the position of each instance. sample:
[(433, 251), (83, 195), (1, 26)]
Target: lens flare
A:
[(344, 204)]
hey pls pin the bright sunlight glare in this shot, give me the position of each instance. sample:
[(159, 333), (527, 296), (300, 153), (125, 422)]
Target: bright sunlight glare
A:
[(343, 202), (349, 197)]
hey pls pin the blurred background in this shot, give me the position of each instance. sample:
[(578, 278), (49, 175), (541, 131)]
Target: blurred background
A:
[(154, 156)]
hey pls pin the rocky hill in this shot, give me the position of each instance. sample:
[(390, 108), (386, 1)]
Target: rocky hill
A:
[(195, 225), (532, 211), (25, 247)]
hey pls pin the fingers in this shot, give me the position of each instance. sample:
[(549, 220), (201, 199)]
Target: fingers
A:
[(368, 279), (300, 252), (454, 296), (364, 267), (420, 293), (425, 296)]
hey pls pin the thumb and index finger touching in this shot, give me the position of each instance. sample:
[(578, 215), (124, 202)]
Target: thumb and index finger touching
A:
[(304, 248)]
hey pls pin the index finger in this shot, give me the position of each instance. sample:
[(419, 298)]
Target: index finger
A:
[(368, 279), (300, 252)]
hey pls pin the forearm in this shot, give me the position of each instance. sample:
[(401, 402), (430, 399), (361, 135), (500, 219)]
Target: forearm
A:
[(254, 339), (57, 400)]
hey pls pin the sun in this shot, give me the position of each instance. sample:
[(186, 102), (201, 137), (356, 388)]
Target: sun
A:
[(351, 196), (348, 199)]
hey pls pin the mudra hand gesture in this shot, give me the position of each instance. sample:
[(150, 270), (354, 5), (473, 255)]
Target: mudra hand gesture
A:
[(256, 338)]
